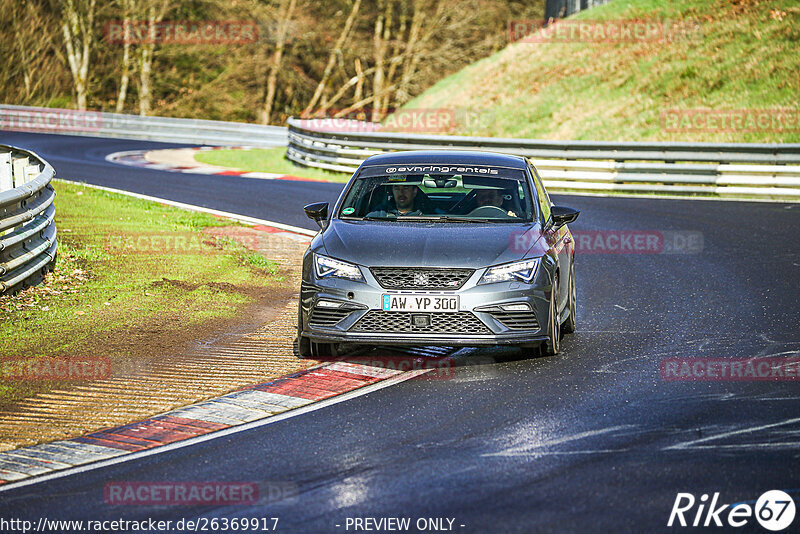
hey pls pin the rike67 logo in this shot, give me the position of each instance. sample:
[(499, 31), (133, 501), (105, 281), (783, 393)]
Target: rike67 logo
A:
[(774, 511)]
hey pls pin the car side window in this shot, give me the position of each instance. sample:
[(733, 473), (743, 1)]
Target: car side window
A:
[(544, 200)]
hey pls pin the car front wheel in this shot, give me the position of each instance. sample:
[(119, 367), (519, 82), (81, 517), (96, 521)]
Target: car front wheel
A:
[(569, 325), (552, 345)]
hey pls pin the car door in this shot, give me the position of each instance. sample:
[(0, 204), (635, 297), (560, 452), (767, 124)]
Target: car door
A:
[(560, 241)]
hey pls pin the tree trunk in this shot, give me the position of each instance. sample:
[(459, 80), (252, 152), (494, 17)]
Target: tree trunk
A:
[(398, 43), (379, 41), (272, 78), (78, 32), (23, 58), (332, 58), (126, 57), (359, 81), (145, 66), (411, 56), (146, 57)]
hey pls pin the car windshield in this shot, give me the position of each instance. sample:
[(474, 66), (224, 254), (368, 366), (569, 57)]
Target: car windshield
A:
[(460, 193)]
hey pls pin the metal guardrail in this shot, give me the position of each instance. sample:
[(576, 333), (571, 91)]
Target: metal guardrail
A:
[(165, 129), (28, 242), (730, 169)]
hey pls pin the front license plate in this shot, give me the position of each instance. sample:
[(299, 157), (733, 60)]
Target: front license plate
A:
[(420, 303)]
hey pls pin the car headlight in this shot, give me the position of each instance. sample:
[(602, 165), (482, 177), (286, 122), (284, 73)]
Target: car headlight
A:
[(523, 271), (330, 268)]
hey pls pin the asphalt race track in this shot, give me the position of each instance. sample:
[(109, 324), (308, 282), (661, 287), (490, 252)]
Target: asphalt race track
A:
[(593, 440), (83, 159)]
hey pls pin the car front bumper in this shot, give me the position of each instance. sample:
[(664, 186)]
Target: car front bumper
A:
[(482, 302)]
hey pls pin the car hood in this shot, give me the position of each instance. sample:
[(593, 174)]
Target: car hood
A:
[(401, 244)]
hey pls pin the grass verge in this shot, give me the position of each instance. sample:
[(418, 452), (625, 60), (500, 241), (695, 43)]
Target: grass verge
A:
[(266, 160), (127, 267), (726, 56)]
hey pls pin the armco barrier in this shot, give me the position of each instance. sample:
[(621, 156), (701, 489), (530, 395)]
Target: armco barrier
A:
[(27, 227), (730, 170), (164, 129)]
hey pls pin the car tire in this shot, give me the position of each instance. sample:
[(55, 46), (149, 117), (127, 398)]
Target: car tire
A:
[(552, 345), (325, 350), (302, 347), (568, 327)]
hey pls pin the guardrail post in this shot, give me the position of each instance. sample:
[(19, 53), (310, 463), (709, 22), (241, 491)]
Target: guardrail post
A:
[(6, 180), (18, 169), (28, 243), (31, 172)]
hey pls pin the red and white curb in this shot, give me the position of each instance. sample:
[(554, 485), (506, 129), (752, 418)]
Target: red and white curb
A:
[(241, 410), (250, 407), (182, 160)]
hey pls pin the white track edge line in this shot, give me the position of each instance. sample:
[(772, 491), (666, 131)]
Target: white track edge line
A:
[(216, 434), (191, 207)]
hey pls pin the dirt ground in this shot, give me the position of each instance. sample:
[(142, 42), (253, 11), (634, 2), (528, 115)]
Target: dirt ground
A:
[(166, 370)]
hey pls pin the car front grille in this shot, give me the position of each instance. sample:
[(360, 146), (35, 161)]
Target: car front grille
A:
[(521, 320), (421, 278), (327, 317), (459, 323)]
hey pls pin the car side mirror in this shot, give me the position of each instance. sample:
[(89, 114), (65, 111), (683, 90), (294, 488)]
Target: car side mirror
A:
[(563, 215), (317, 212)]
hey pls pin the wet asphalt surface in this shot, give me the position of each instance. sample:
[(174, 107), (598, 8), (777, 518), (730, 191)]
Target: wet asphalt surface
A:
[(592, 440)]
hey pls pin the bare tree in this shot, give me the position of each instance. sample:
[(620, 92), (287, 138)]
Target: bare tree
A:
[(272, 78), (156, 9), (124, 79), (411, 55), (383, 25), (78, 30), (398, 45), (358, 82), (26, 48), (323, 82)]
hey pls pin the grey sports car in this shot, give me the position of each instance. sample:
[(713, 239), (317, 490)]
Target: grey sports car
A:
[(451, 248)]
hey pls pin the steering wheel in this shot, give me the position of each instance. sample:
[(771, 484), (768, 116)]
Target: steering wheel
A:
[(488, 211), (468, 197)]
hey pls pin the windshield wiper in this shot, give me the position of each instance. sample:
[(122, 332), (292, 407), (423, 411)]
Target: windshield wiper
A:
[(448, 218), (440, 218)]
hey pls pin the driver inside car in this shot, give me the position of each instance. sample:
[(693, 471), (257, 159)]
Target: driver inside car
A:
[(405, 202), (491, 197)]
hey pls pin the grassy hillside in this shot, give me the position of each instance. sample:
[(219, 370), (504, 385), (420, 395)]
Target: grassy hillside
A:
[(733, 55)]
